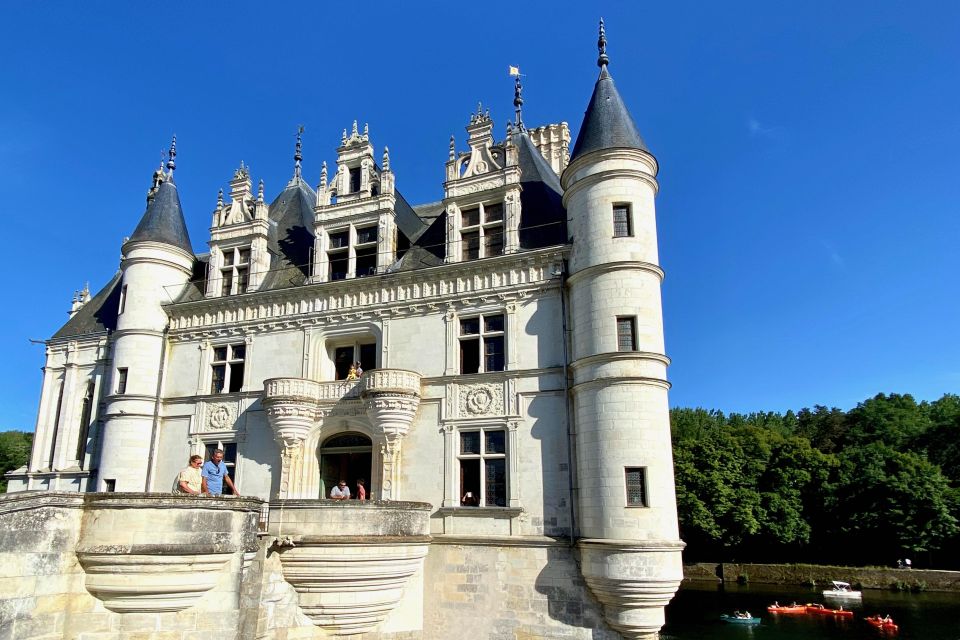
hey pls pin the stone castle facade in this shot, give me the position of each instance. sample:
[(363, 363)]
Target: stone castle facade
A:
[(511, 418)]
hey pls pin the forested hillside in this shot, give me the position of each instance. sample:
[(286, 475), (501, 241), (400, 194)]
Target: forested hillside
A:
[(863, 487)]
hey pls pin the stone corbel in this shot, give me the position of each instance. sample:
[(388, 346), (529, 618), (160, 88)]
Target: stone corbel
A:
[(391, 398)]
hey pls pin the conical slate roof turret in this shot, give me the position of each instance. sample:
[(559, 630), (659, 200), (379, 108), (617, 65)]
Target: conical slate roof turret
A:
[(606, 124), (163, 220)]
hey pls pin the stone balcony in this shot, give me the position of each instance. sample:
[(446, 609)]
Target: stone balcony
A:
[(384, 400), (351, 562)]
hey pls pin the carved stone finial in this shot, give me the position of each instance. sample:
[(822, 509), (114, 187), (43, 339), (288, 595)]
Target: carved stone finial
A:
[(172, 162), (603, 60), (386, 158), (220, 199), (343, 137), (297, 155), (453, 148), (354, 133), (260, 191), (518, 101), (366, 131), (323, 174)]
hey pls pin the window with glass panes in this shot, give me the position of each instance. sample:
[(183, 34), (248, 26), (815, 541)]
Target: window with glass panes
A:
[(229, 460), (481, 231), (622, 224), (636, 481), (235, 272), (366, 251), (338, 254), (227, 368), (482, 344), (626, 334), (482, 458)]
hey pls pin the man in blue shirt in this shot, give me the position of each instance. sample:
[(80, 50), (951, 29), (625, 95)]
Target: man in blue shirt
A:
[(214, 474)]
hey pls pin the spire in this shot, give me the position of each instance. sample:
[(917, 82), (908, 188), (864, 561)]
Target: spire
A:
[(606, 124), (260, 191), (453, 148), (220, 199), (163, 220), (297, 155), (518, 100), (172, 162), (386, 158), (323, 175), (603, 60)]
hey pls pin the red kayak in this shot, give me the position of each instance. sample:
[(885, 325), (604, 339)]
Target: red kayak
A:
[(882, 623), (819, 609)]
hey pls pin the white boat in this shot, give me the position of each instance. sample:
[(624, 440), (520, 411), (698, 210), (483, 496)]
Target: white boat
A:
[(842, 590)]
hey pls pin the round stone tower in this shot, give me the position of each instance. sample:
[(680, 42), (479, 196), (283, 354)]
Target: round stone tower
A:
[(157, 264), (629, 539)]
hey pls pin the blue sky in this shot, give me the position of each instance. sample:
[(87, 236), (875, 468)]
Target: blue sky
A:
[(810, 179)]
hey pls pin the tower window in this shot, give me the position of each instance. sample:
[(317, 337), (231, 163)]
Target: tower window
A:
[(355, 180), (123, 299), (121, 381), (482, 344), (481, 231), (622, 222), (235, 272), (636, 481), (626, 333), (226, 370), (482, 458)]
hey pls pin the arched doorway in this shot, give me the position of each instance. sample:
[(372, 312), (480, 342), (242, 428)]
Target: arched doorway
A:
[(345, 456)]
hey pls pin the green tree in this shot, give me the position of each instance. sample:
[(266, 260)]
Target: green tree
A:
[(14, 452)]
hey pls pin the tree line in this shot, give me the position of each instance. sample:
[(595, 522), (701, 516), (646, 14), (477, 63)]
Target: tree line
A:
[(14, 452), (862, 487)]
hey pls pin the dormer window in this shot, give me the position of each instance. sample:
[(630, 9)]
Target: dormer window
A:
[(481, 231), (235, 272), (352, 252)]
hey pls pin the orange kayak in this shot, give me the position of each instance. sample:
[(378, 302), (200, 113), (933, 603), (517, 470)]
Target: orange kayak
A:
[(879, 623), (799, 608)]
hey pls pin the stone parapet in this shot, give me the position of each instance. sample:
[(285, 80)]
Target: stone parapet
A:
[(350, 562)]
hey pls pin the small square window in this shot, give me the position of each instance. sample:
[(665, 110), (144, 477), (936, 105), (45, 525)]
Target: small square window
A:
[(367, 234), (493, 212), (470, 217), (636, 482)]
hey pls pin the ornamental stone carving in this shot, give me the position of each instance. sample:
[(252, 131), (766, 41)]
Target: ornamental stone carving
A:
[(481, 400)]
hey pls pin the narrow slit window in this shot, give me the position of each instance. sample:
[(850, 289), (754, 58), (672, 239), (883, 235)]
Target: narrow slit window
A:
[(622, 223), (121, 381), (636, 481), (626, 334)]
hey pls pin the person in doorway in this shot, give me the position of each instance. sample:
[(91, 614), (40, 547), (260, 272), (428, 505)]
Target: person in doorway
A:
[(214, 473), (352, 373), (469, 500), (361, 489), (340, 492), (189, 480)]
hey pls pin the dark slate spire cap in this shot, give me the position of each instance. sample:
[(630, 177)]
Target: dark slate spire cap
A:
[(606, 124), (163, 220)]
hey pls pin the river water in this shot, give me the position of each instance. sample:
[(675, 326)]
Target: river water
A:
[(694, 614)]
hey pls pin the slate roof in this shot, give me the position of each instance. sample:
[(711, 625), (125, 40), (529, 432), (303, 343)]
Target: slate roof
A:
[(163, 220), (97, 315), (606, 124), (290, 237), (543, 220)]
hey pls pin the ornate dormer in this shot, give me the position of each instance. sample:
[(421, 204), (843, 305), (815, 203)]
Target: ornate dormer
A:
[(356, 228), (482, 194), (239, 259)]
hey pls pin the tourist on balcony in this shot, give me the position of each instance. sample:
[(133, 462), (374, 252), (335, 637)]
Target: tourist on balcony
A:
[(214, 473), (359, 369), (361, 489), (340, 492), (352, 373), (189, 479)]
